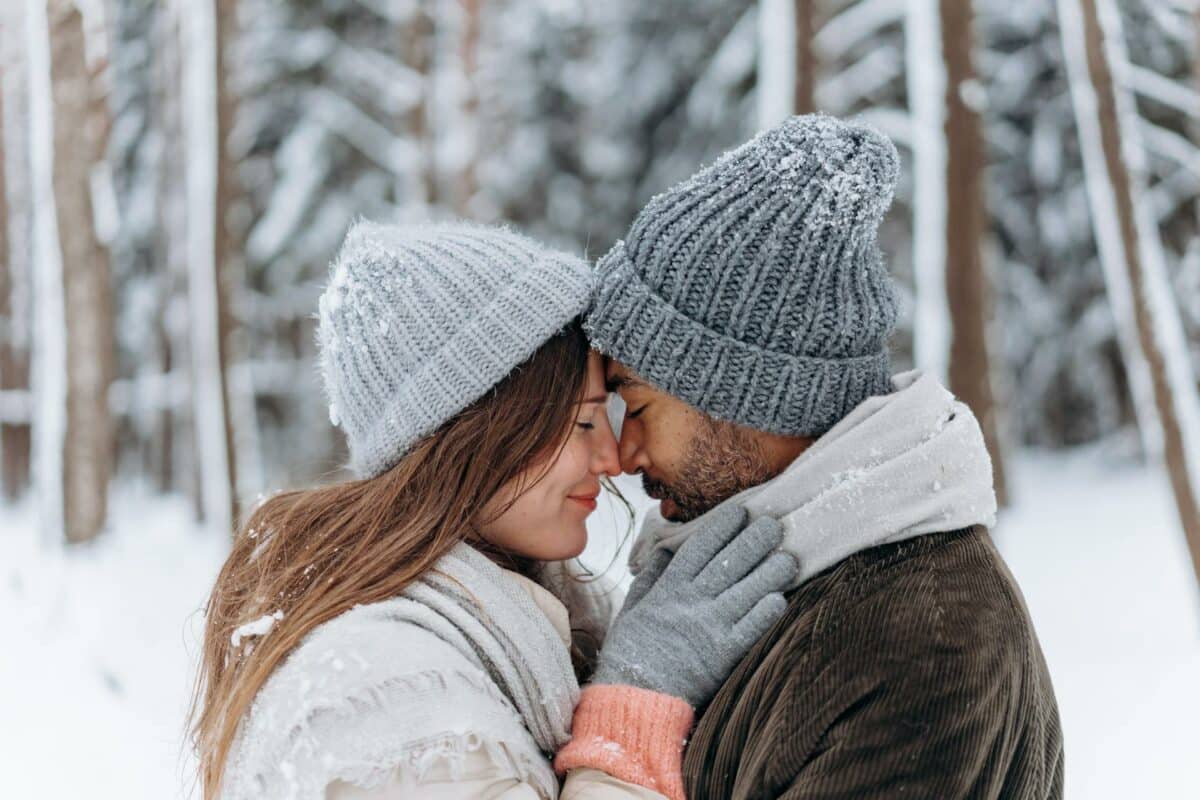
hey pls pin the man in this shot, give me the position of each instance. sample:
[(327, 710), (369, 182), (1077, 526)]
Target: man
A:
[(745, 319)]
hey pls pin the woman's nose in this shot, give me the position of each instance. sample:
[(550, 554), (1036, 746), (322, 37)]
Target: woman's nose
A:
[(606, 460)]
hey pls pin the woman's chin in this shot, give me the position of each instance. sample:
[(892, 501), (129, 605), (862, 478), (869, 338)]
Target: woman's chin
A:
[(569, 546)]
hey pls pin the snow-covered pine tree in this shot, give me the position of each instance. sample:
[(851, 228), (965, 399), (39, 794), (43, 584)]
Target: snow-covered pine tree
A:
[(1066, 383), (1162, 68), (335, 120), (1129, 239), (588, 109), (146, 396)]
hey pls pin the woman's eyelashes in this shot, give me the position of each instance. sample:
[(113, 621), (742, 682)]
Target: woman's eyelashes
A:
[(585, 422)]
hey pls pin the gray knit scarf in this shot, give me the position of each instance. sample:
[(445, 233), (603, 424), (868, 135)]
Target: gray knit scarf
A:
[(462, 659), (899, 465)]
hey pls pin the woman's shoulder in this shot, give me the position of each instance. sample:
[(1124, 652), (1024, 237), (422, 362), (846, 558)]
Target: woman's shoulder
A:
[(364, 693)]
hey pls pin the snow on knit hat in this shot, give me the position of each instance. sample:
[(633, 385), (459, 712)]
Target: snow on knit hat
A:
[(755, 290), (419, 321)]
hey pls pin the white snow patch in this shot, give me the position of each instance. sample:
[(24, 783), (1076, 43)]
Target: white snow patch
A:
[(259, 627)]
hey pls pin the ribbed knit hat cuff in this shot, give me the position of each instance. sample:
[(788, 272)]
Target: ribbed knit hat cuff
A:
[(725, 378), (541, 301)]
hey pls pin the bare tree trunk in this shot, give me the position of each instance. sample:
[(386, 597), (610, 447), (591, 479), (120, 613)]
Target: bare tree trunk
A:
[(229, 249), (1129, 241), (15, 439), (806, 57), (168, 249), (416, 50), (1196, 60), (469, 55), (88, 446), (967, 290)]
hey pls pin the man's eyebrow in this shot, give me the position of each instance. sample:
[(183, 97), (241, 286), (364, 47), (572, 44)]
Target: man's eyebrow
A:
[(619, 382)]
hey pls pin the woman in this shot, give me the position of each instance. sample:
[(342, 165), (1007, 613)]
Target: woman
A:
[(409, 633)]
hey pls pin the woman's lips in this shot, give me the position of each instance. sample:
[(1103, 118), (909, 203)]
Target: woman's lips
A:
[(587, 501)]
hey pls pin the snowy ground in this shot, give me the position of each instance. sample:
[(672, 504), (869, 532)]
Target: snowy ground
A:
[(94, 680)]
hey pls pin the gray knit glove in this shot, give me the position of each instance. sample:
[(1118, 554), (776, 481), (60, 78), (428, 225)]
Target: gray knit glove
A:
[(689, 620)]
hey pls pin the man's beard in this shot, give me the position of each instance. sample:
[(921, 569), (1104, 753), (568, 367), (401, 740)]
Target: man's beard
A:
[(721, 460)]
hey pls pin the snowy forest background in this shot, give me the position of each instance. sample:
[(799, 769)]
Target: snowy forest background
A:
[(177, 174)]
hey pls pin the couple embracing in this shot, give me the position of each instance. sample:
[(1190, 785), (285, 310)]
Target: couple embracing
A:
[(817, 609)]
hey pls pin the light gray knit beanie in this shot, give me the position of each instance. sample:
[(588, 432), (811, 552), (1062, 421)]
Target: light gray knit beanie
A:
[(755, 291), (420, 321)]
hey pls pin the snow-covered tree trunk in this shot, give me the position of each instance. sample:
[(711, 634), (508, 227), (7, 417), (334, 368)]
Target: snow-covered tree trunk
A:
[(949, 216), (79, 144), (967, 290), (1129, 241), (14, 341), (926, 76), (49, 363), (777, 50), (201, 130)]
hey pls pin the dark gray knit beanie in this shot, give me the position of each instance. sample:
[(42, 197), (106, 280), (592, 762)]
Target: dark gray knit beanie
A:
[(755, 291)]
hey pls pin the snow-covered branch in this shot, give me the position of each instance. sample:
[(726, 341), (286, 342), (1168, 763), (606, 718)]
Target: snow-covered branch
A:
[(1170, 145), (839, 92), (856, 24), (361, 131), (1151, 84)]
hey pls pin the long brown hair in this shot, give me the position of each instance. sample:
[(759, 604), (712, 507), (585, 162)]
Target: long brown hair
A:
[(315, 553)]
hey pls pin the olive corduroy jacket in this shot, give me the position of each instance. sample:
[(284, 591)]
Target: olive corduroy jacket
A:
[(907, 670)]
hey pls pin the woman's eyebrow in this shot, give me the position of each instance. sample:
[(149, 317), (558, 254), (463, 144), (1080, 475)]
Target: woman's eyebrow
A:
[(600, 398)]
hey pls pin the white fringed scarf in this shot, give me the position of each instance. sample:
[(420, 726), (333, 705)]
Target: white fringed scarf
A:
[(463, 659)]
